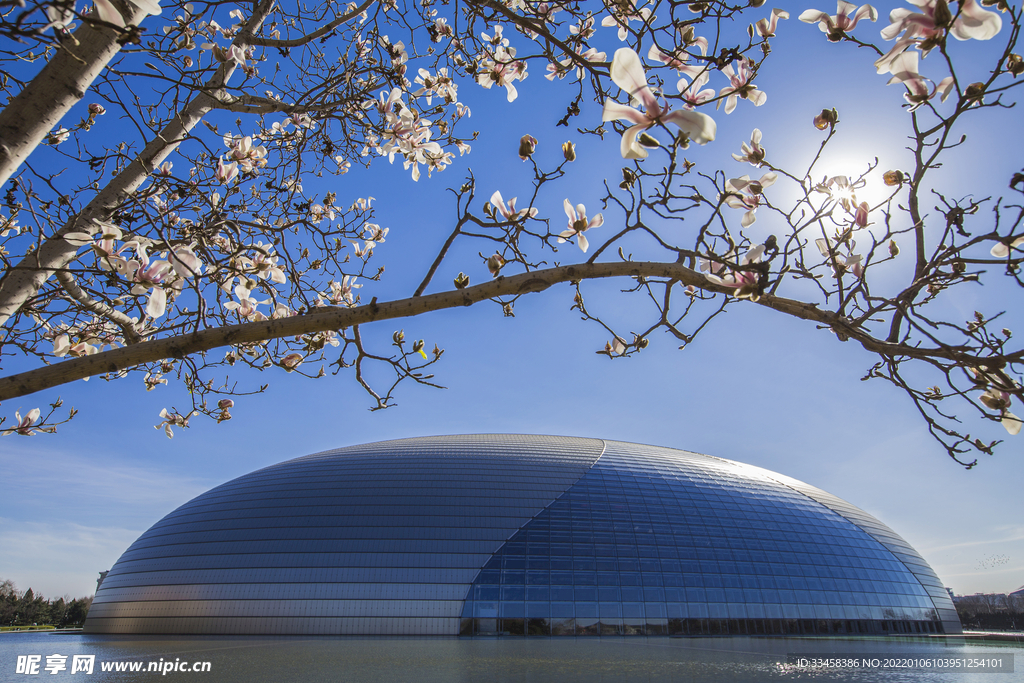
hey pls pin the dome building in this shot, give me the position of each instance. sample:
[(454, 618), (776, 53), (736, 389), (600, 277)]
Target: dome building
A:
[(519, 535)]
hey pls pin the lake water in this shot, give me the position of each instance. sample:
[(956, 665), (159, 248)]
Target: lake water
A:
[(253, 659)]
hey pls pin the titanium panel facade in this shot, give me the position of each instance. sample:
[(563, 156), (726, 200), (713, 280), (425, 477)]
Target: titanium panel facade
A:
[(518, 535)]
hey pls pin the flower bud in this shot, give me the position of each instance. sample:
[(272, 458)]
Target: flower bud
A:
[(495, 264), (527, 144), (894, 249), (291, 361), (892, 178), (975, 91), (1015, 64), (648, 141), (97, 109), (569, 151), (828, 118), (942, 16), (462, 281), (398, 337), (225, 403)]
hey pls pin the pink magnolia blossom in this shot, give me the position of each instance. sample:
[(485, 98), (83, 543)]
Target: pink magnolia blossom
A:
[(24, 427), (744, 281), (836, 26), (626, 12), (509, 212), (226, 172), (246, 305), (562, 68), (904, 70), (766, 27), (106, 11), (502, 69), (998, 400), (149, 274), (744, 193), (753, 153), (920, 29), (740, 85), (628, 73), (172, 419), (840, 263), (691, 92), (578, 224), (341, 293)]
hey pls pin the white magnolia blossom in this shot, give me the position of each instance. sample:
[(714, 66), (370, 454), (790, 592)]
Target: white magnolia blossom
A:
[(744, 193), (579, 224), (628, 73)]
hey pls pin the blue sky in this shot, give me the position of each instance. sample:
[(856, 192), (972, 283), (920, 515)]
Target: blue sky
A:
[(756, 387)]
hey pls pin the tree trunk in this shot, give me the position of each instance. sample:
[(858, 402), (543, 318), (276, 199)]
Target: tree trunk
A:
[(29, 117)]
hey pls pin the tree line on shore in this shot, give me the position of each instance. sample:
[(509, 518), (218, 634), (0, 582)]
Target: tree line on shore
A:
[(29, 608), (991, 612)]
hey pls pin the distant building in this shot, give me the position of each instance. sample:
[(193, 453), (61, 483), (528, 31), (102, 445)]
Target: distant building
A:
[(519, 535), (1019, 593)]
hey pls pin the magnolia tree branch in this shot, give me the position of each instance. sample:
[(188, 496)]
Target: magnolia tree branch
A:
[(322, 320)]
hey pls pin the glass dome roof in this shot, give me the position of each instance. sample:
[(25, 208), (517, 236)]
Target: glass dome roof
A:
[(519, 535)]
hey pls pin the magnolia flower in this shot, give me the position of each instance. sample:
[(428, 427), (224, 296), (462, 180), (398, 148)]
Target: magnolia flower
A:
[(904, 70), (691, 92), (860, 216), (58, 136), (839, 263), (753, 153), (841, 189), (746, 281), (578, 224), (626, 12), (616, 347), (846, 18), (502, 69), (927, 27), (766, 27), (248, 156), (628, 73), (1002, 249), (60, 17), (172, 419), (226, 172), (106, 11), (24, 427), (744, 193), (291, 361), (509, 213), (149, 274), (246, 305), (740, 85), (998, 400), (341, 292)]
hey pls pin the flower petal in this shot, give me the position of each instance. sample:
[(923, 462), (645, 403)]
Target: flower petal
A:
[(700, 128), (628, 73)]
